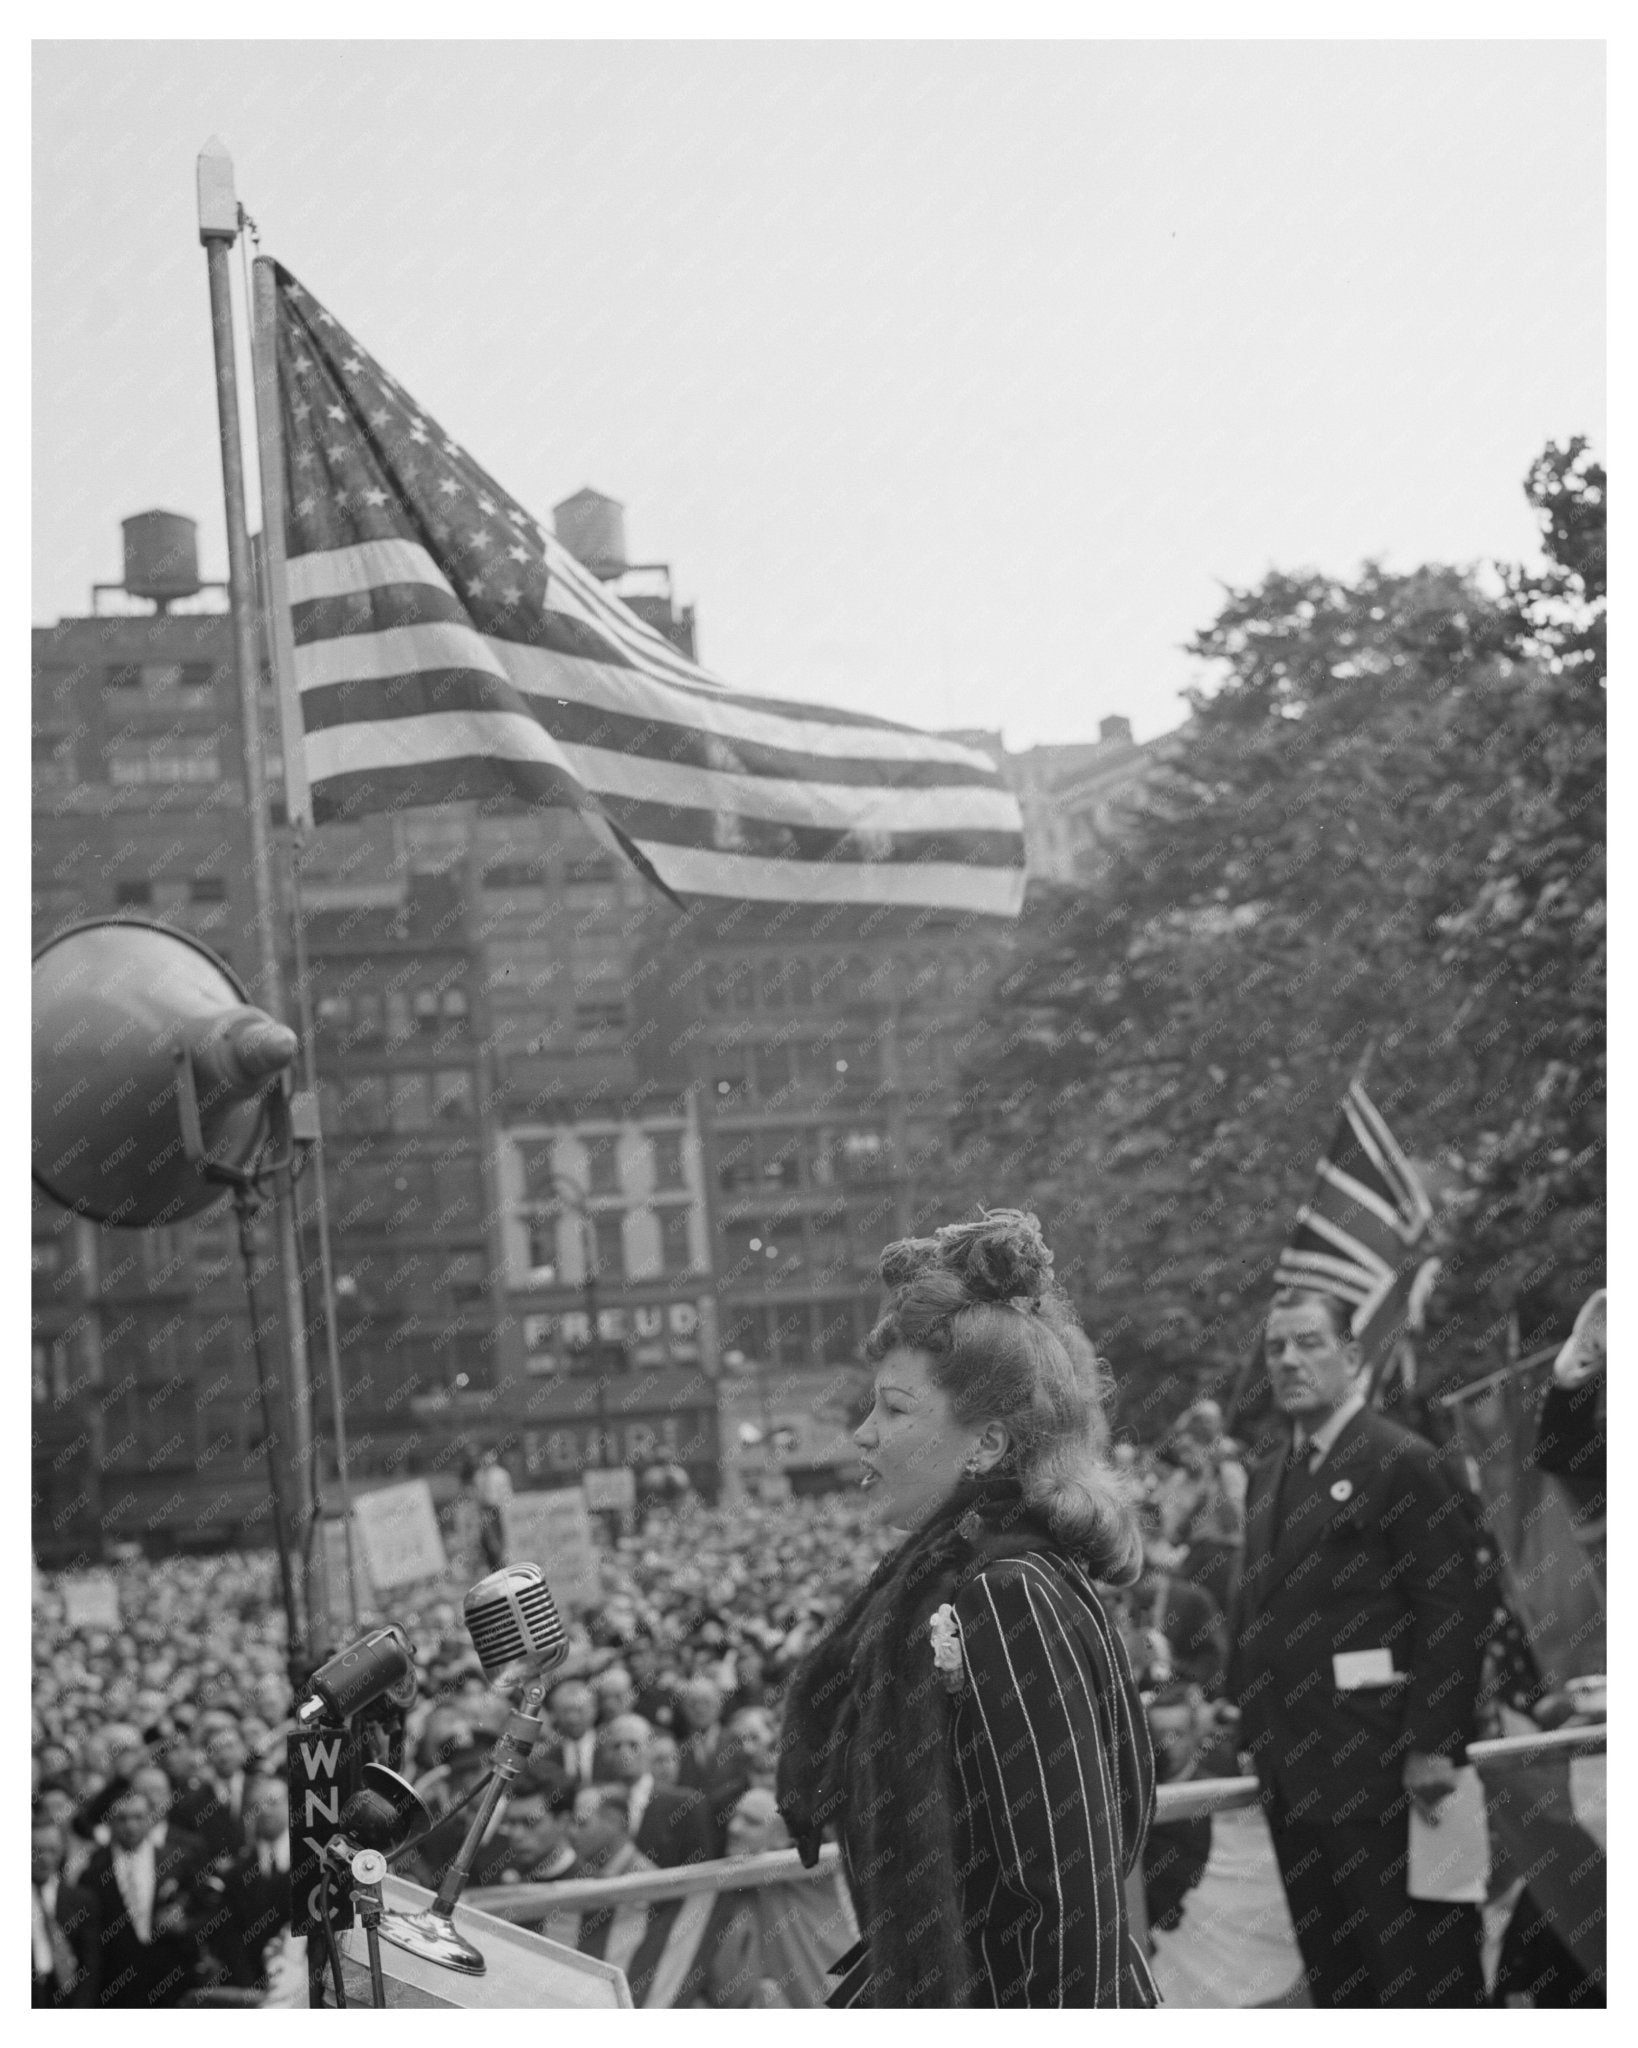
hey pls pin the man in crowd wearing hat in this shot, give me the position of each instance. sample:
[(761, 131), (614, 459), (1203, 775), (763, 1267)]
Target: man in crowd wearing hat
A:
[(1357, 1647)]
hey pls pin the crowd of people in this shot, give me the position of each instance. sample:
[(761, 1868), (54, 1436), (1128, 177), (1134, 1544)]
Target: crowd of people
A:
[(160, 1834), (160, 1840)]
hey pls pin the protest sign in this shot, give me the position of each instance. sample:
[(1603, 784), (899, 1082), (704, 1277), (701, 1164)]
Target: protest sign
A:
[(554, 1531), (398, 1539)]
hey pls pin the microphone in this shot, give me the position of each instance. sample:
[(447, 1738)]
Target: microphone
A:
[(383, 1814), (520, 1640), (358, 1676), (515, 1626)]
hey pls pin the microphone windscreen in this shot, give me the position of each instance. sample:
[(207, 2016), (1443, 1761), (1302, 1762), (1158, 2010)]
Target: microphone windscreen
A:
[(514, 1624)]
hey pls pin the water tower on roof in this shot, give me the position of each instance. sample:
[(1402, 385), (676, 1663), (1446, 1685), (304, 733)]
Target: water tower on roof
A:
[(161, 557), (592, 527)]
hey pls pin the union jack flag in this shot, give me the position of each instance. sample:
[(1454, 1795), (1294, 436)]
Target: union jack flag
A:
[(1363, 1235)]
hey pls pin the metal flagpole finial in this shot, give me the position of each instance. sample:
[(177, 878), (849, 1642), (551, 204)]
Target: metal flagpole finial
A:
[(218, 202)]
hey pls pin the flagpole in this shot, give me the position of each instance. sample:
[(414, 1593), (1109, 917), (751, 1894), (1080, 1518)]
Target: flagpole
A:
[(219, 223), (298, 812)]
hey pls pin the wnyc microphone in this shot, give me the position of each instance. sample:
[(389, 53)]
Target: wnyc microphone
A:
[(515, 1626), (378, 1664)]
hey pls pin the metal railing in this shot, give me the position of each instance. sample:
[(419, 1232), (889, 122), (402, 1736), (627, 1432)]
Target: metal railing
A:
[(1189, 1801)]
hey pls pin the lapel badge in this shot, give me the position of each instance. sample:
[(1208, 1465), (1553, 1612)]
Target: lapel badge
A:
[(1342, 1490)]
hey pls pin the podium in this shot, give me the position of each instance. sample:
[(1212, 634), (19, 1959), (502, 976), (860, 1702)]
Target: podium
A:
[(524, 1969)]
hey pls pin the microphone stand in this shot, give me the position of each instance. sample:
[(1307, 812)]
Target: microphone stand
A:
[(432, 1933), (369, 1867)]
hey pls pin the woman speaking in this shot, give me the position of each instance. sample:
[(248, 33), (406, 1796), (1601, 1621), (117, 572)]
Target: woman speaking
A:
[(969, 1727)]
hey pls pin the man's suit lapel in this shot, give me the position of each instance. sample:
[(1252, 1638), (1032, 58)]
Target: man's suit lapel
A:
[(1260, 1532), (1297, 1535)]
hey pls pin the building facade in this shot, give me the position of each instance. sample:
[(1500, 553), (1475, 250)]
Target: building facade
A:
[(605, 1184)]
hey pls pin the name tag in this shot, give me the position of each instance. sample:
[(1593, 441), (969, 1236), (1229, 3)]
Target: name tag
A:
[(1355, 1669)]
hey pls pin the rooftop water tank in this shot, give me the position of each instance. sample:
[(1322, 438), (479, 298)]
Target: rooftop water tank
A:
[(593, 529), (161, 556)]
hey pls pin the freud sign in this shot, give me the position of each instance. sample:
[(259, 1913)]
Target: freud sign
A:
[(322, 1766)]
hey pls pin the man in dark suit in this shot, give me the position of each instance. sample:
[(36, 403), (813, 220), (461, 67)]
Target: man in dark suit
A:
[(254, 1900), (65, 1924), (149, 1908), (699, 1733), (214, 1809), (668, 1826), (1357, 1647), (565, 1759)]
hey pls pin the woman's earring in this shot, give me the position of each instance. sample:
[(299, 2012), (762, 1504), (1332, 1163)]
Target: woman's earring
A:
[(972, 1468)]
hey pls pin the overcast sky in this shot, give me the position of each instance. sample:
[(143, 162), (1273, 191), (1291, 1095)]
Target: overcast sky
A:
[(952, 379)]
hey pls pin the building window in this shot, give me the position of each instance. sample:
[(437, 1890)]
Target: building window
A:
[(464, 1278), (502, 875), (333, 1012), (609, 1238), (452, 1095), (126, 675), (53, 760), (597, 868), (676, 1251), (208, 889), (760, 1244), (133, 895), (859, 1154), (214, 1252), (783, 1159), (172, 759), (853, 1061), (669, 1167), (540, 1236), (409, 1102), (732, 987), (602, 1163), (399, 1025), (830, 1244), (172, 675), (776, 1068), (539, 1172), (455, 1004), (729, 1079), (594, 1018)]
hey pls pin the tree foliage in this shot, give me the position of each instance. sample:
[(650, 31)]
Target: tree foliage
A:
[(1375, 829)]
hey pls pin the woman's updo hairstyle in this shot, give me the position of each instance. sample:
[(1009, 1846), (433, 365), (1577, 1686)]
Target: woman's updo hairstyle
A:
[(1003, 1344)]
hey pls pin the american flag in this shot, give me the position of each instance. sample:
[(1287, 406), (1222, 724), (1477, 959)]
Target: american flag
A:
[(1363, 1235), (447, 647)]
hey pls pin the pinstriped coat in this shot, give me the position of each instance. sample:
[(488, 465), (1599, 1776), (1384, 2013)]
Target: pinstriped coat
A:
[(1052, 1778)]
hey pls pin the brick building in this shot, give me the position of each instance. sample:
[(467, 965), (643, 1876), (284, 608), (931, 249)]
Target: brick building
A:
[(602, 1181)]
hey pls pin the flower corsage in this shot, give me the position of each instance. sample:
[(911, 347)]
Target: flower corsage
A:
[(946, 1640)]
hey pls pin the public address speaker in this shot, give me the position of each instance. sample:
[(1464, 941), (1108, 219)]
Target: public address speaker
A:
[(134, 1024)]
